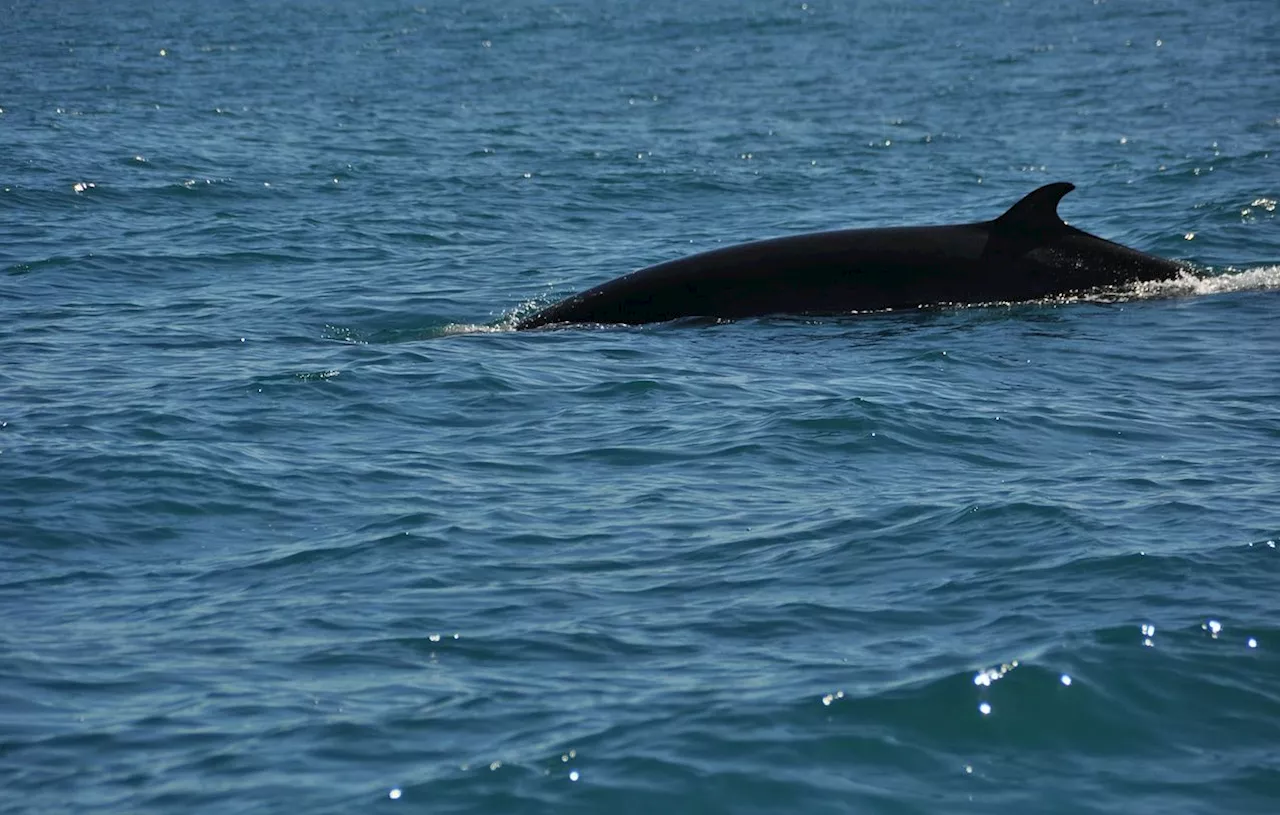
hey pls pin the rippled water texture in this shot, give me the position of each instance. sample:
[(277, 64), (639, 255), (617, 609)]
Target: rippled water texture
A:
[(290, 521)]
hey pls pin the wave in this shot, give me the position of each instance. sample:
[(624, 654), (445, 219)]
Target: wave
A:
[(1187, 284)]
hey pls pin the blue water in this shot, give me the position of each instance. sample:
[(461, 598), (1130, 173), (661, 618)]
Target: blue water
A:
[(290, 522)]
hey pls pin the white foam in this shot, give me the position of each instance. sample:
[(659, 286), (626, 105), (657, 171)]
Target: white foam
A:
[(1229, 280), (455, 329), (1186, 284)]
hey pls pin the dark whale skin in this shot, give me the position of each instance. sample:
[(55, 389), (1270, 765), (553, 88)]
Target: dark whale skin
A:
[(1027, 253)]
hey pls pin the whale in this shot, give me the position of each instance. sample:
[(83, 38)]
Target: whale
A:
[(1026, 254)]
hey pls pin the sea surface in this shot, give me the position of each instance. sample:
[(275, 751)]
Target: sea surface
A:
[(291, 521)]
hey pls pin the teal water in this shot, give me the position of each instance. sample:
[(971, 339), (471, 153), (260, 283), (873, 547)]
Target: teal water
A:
[(290, 522)]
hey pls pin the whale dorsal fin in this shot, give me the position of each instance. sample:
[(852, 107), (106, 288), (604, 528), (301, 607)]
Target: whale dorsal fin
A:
[(1037, 213)]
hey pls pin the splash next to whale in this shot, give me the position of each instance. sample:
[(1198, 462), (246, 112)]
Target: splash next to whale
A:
[(1027, 253)]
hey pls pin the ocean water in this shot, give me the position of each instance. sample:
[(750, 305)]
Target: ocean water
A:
[(291, 521)]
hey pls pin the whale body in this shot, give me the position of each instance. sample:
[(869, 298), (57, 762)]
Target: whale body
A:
[(1027, 253)]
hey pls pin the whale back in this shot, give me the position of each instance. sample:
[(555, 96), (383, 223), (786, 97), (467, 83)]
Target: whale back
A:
[(1026, 253)]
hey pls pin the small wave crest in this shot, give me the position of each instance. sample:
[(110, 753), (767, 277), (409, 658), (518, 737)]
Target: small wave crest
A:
[(1186, 284), (391, 336), (507, 323), (1228, 280)]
